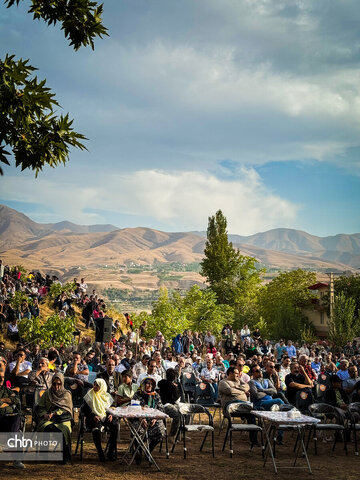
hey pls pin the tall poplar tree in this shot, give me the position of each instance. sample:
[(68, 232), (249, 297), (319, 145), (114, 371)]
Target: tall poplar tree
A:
[(232, 276)]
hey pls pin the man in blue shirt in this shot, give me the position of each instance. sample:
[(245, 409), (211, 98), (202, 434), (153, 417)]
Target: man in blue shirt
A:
[(262, 389), (291, 350), (343, 373), (280, 350)]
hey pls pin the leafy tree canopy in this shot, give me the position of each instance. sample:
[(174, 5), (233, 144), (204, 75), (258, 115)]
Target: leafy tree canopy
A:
[(80, 19), (349, 285), (29, 126), (197, 311), (281, 303), (233, 277), (345, 324)]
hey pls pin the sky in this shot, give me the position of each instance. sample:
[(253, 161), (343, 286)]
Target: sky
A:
[(248, 106)]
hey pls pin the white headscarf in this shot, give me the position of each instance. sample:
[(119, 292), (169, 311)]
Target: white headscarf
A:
[(99, 401)]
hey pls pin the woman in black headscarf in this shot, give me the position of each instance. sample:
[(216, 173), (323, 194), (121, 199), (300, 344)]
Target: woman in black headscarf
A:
[(54, 413)]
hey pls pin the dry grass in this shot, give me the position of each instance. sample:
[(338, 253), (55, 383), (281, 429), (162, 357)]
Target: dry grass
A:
[(244, 464)]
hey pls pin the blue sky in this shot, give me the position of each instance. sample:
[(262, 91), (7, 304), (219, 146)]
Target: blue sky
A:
[(251, 106)]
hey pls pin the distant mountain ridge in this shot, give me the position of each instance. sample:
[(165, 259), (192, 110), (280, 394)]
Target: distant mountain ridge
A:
[(66, 244)]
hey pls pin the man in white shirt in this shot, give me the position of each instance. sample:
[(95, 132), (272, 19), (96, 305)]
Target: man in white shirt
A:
[(210, 375), (83, 286), (20, 368), (151, 372), (209, 338), (304, 350), (169, 361), (243, 377), (140, 367)]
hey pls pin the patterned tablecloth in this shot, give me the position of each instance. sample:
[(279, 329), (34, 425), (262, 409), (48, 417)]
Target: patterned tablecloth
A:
[(284, 418), (137, 412)]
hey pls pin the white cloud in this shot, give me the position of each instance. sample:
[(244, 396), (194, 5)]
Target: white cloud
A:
[(166, 90), (182, 200)]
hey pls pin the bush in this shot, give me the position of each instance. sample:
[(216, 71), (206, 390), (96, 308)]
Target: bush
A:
[(55, 331), (18, 298), (56, 289)]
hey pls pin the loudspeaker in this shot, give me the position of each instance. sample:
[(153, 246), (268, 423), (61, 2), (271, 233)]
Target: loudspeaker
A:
[(107, 329), (103, 329)]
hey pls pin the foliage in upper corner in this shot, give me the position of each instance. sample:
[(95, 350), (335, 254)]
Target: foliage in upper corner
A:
[(80, 19), (28, 124)]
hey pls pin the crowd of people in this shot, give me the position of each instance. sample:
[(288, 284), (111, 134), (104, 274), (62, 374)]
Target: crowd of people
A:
[(236, 366)]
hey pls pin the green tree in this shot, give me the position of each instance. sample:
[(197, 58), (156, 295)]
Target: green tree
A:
[(233, 277), (198, 311), (56, 289), (204, 313), (54, 331), (18, 298), (29, 126), (345, 324), (349, 285), (167, 316), (30, 329), (281, 303)]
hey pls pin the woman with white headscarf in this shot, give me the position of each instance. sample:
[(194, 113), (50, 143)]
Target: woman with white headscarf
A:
[(96, 402)]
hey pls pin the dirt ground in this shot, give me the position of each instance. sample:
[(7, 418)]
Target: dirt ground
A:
[(198, 465)]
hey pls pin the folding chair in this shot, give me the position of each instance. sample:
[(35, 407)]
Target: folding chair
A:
[(83, 429), (239, 410), (331, 420), (304, 398), (204, 397), (354, 414), (320, 392), (188, 382), (191, 409)]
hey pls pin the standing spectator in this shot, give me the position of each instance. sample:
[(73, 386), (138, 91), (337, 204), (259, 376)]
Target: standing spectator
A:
[(245, 333), (280, 349), (291, 350), (83, 286), (209, 338)]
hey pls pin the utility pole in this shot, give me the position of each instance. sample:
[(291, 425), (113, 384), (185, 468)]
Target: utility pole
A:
[(332, 295)]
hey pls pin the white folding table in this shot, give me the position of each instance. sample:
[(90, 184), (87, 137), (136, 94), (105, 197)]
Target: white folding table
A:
[(272, 422), (130, 413)]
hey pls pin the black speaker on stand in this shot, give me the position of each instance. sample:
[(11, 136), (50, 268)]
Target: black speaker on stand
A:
[(103, 329)]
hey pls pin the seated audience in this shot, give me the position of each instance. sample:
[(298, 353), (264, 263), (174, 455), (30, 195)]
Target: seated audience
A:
[(96, 402), (54, 413)]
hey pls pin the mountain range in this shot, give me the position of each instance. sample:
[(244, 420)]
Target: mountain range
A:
[(64, 245)]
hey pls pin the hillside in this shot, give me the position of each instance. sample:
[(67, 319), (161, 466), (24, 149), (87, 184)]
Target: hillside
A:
[(62, 246)]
